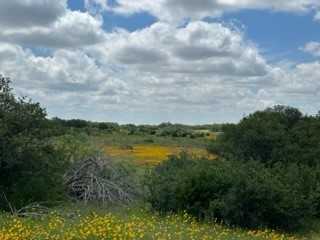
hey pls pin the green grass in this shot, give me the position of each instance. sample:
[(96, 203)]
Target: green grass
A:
[(116, 222)]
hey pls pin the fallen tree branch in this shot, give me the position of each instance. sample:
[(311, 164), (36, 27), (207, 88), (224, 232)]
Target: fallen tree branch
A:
[(96, 179)]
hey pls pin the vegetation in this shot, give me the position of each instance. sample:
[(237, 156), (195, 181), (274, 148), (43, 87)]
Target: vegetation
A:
[(229, 181), (151, 154), (243, 194), (279, 134), (30, 168), (123, 224)]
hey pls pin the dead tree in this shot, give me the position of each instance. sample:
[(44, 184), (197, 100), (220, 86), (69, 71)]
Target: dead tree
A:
[(98, 179)]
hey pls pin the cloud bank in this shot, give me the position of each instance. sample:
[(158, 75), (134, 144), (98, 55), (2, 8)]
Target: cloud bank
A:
[(197, 72)]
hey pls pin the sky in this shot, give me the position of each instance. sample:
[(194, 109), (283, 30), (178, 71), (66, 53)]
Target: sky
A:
[(153, 61)]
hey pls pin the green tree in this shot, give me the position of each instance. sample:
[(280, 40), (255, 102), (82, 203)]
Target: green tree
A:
[(278, 134), (245, 194), (30, 168)]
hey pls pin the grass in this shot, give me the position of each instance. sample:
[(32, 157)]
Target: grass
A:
[(138, 149), (147, 150), (92, 223)]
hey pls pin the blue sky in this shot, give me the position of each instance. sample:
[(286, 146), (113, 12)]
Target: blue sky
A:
[(279, 34), (153, 61)]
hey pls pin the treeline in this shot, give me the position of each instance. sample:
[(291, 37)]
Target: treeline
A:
[(163, 129)]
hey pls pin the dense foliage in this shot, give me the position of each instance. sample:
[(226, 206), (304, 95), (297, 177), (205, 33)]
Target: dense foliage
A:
[(244, 194), (267, 174), (279, 134), (161, 130), (30, 168)]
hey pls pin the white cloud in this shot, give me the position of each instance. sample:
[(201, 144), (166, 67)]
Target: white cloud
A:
[(151, 71), (177, 10), (204, 67), (67, 82), (313, 48), (317, 16), (48, 24), (303, 81), (73, 29), (197, 48), (30, 13)]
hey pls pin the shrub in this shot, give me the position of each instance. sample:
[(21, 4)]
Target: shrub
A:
[(243, 194), (30, 168), (281, 197), (109, 127), (278, 134), (75, 146), (173, 130)]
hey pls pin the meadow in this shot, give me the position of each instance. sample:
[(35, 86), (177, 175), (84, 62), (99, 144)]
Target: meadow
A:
[(123, 223), (151, 154)]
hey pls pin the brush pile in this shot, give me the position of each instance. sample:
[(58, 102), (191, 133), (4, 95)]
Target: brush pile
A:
[(99, 179)]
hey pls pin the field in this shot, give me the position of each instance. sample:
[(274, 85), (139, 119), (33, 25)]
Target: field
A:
[(146, 150), (151, 154), (120, 224)]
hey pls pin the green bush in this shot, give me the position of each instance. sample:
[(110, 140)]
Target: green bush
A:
[(243, 194), (279, 134), (30, 168), (75, 146), (281, 197)]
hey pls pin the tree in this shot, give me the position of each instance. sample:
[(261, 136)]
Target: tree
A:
[(278, 134), (30, 168)]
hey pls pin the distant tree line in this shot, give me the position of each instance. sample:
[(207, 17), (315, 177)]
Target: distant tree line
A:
[(163, 129)]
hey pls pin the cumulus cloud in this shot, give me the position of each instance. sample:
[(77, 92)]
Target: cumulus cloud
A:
[(68, 80), (198, 48), (73, 29), (303, 81), (48, 24), (313, 48), (208, 67), (199, 72), (30, 13), (177, 10), (151, 71)]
